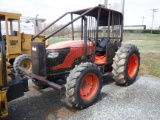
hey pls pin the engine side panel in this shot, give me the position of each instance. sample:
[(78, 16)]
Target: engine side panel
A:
[(67, 58), (38, 58), (68, 61)]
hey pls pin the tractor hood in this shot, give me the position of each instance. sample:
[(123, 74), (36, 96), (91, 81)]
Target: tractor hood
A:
[(70, 43)]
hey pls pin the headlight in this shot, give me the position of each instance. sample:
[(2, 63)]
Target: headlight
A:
[(53, 55)]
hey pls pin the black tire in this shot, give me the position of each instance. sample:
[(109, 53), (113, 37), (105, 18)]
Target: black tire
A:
[(75, 84), (39, 84), (126, 64), (19, 61)]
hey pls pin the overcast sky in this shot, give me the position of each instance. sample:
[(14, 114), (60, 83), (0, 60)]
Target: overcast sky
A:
[(51, 9)]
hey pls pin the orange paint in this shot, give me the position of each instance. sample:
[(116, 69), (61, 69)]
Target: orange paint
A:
[(89, 86), (76, 51), (99, 60)]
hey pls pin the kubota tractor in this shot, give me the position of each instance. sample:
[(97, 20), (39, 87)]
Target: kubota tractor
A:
[(76, 67)]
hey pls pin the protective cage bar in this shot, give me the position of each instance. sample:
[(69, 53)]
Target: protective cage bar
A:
[(113, 18), (91, 21), (3, 59)]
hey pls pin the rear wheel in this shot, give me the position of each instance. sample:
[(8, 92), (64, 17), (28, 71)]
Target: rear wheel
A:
[(126, 64), (83, 86), (22, 61)]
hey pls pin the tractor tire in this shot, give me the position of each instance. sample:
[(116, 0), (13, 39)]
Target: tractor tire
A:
[(23, 61), (126, 65), (83, 85), (39, 84)]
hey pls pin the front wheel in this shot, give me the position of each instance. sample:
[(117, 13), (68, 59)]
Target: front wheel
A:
[(126, 64), (22, 61), (83, 86)]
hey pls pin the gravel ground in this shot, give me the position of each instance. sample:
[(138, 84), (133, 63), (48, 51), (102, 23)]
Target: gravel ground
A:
[(139, 101)]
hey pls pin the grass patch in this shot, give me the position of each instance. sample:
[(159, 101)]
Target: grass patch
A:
[(146, 46), (57, 39), (141, 36), (150, 64)]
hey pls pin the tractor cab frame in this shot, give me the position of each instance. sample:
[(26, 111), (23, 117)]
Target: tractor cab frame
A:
[(103, 27)]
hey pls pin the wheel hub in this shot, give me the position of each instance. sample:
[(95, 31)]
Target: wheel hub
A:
[(132, 65), (26, 64), (89, 86)]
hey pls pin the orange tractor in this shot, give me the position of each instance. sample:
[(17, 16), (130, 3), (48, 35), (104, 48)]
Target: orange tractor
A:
[(76, 67)]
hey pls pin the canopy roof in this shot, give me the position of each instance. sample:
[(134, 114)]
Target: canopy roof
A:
[(115, 16)]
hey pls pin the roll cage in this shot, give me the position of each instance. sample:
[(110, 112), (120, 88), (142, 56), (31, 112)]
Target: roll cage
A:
[(93, 21)]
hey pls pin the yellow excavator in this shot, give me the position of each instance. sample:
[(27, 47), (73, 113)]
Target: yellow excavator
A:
[(15, 51), (17, 44)]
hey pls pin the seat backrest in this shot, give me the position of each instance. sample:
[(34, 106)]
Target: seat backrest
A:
[(101, 46), (103, 42)]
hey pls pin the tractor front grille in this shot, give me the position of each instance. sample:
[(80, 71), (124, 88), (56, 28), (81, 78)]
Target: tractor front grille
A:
[(51, 62), (58, 60)]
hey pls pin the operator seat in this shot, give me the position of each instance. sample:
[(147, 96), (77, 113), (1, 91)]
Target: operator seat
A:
[(101, 46)]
